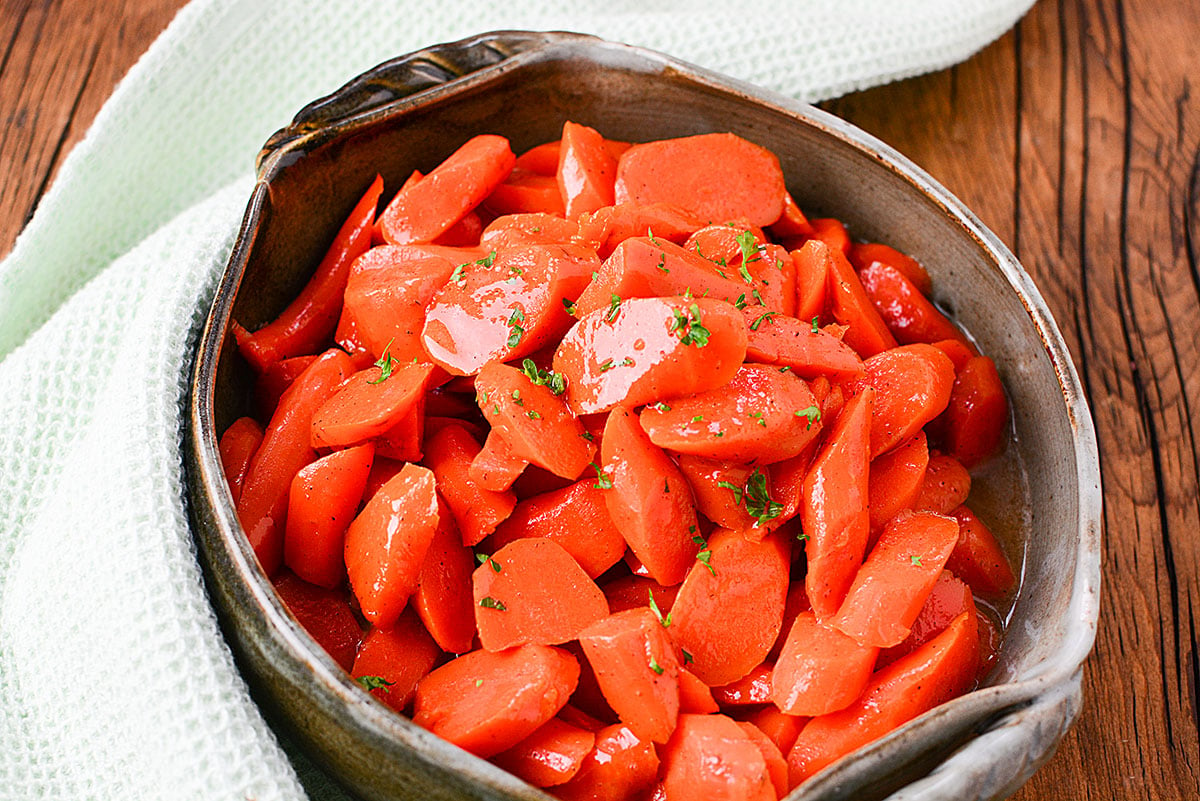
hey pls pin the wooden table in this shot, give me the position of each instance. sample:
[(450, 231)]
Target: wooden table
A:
[(1075, 137)]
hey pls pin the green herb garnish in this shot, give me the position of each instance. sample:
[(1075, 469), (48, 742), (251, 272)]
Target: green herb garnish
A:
[(488, 602)]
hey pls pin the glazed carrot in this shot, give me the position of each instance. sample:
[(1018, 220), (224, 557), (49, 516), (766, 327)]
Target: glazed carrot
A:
[(792, 222), (576, 517), (711, 757), (729, 245), (912, 386), (631, 592), (694, 695), (945, 487), (307, 322), (894, 581), (387, 542), (787, 481), (719, 486), (488, 702), (820, 669), (795, 605), (834, 510), (496, 467), (908, 314), (532, 591), (236, 448), (978, 558), (773, 274), (533, 420), (396, 658), (781, 727), (934, 673), (370, 403), (976, 417), (648, 499), (622, 766), (322, 501), (832, 233), (325, 614), (423, 211), (753, 688), (634, 660), (776, 765), (849, 305), (550, 756), (958, 353), (716, 176), (807, 353), (729, 611), (948, 599), (896, 479), (580, 719), (542, 159), (285, 448), (812, 279), (526, 193), (443, 596), (586, 170), (538, 228), (761, 416), (686, 347), (505, 307), (864, 255), (608, 227), (477, 511), (271, 383)]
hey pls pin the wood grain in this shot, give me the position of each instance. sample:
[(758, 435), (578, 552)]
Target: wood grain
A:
[(1076, 137)]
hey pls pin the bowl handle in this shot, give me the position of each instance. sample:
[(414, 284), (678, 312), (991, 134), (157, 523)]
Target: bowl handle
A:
[(408, 75)]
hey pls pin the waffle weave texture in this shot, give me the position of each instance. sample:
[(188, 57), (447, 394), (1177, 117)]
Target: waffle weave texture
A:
[(115, 682)]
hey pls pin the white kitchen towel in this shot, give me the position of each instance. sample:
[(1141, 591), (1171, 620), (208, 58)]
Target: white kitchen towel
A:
[(115, 682)]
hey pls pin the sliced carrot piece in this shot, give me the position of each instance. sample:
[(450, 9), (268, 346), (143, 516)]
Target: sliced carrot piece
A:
[(477, 511), (631, 592), (894, 581), (761, 416), (608, 227), (526, 193), (812, 279), (719, 486), (650, 350), (443, 596), (325, 614), (717, 176), (776, 765), (896, 479), (797, 603), (236, 448), (978, 558), (957, 352), (542, 159), (931, 675), (948, 599), (976, 417), (807, 353), (576, 517), (848, 303), (906, 312), (550, 756), (622, 766), (648, 499), (586, 170), (912, 386), (792, 222), (865, 255), (272, 382), (537, 228), (403, 441), (496, 467), (487, 702), (399, 656), (429, 207), (831, 232), (781, 727), (729, 611), (945, 487), (371, 402), (710, 756), (532, 591), (321, 503), (580, 719), (834, 511), (694, 695), (820, 669), (634, 660), (753, 688)]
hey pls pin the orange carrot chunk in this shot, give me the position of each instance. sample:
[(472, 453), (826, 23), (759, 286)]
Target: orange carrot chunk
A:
[(694, 695), (978, 558), (449, 453), (387, 542), (894, 581), (948, 599), (864, 255), (391, 661), (443, 596), (586, 170), (325, 614), (370, 403), (912, 386), (945, 486), (753, 688), (550, 756), (487, 702), (906, 312), (776, 764), (532, 592), (711, 757), (321, 503), (526, 193), (236, 448), (634, 661), (781, 727), (794, 344), (719, 487), (896, 480), (976, 417), (608, 227), (848, 303), (536, 228), (496, 468), (820, 669), (621, 767), (730, 609)]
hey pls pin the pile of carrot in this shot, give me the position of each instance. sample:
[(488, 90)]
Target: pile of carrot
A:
[(607, 464)]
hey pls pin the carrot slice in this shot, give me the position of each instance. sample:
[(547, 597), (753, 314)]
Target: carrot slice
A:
[(945, 486), (429, 207), (806, 352), (631, 592), (634, 660), (387, 542), (894, 581), (834, 510), (760, 416), (325, 614), (576, 517), (550, 756), (535, 422), (586, 170), (820, 669), (449, 453), (532, 591), (443, 596), (272, 382), (848, 303), (236, 448), (648, 499), (792, 222), (934, 673), (526, 193), (371, 402), (711, 757), (976, 417), (622, 766), (776, 765), (395, 658), (646, 350), (865, 255), (812, 279), (948, 599), (487, 702), (782, 728), (719, 487), (496, 467), (717, 176), (536, 228), (978, 558), (729, 611), (912, 386), (694, 695), (542, 159), (906, 312), (753, 688), (832, 233), (608, 227), (321, 503), (896, 479), (285, 448)]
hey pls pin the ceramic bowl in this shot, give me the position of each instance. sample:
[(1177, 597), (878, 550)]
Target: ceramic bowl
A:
[(411, 112)]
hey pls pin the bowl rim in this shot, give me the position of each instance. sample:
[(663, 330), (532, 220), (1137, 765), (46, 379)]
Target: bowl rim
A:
[(990, 706)]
